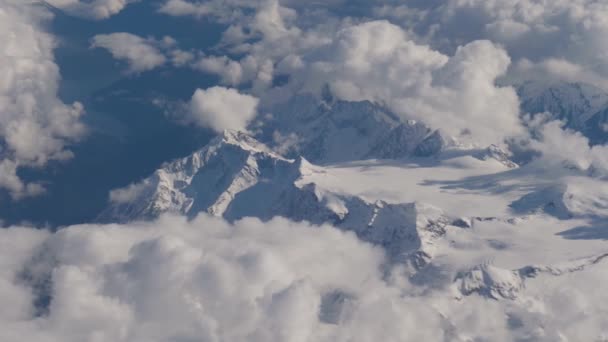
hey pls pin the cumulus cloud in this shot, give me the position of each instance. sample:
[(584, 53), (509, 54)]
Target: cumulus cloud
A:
[(230, 72), (264, 32), (542, 33), (35, 126), (539, 31), (175, 280), (139, 53), (204, 280), (559, 146), (364, 60), (226, 11), (221, 108), (185, 8), (457, 94), (95, 9)]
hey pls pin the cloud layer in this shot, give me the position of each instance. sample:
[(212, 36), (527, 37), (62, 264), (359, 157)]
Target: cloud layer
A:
[(564, 34), (174, 280), (531, 40), (373, 60), (204, 280)]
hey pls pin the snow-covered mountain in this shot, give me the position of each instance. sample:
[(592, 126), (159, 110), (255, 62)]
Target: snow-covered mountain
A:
[(339, 131), (465, 225), (236, 176), (582, 107), (462, 218), (417, 209), (573, 102), (208, 180)]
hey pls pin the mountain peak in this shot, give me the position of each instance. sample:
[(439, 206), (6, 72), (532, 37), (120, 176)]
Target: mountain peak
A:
[(207, 180), (242, 140)]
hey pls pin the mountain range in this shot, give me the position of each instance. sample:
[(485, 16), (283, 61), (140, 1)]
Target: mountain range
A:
[(427, 201)]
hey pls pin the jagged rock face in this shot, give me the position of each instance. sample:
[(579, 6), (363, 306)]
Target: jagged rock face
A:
[(236, 177), (341, 131)]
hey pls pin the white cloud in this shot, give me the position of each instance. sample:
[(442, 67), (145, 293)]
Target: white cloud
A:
[(221, 108), (185, 8), (231, 72), (205, 280), (95, 9), (539, 31), (374, 60), (221, 10), (35, 126), (128, 194), (567, 30), (181, 58), (562, 147), (464, 96), (174, 280), (145, 54), (378, 61), (141, 54)]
